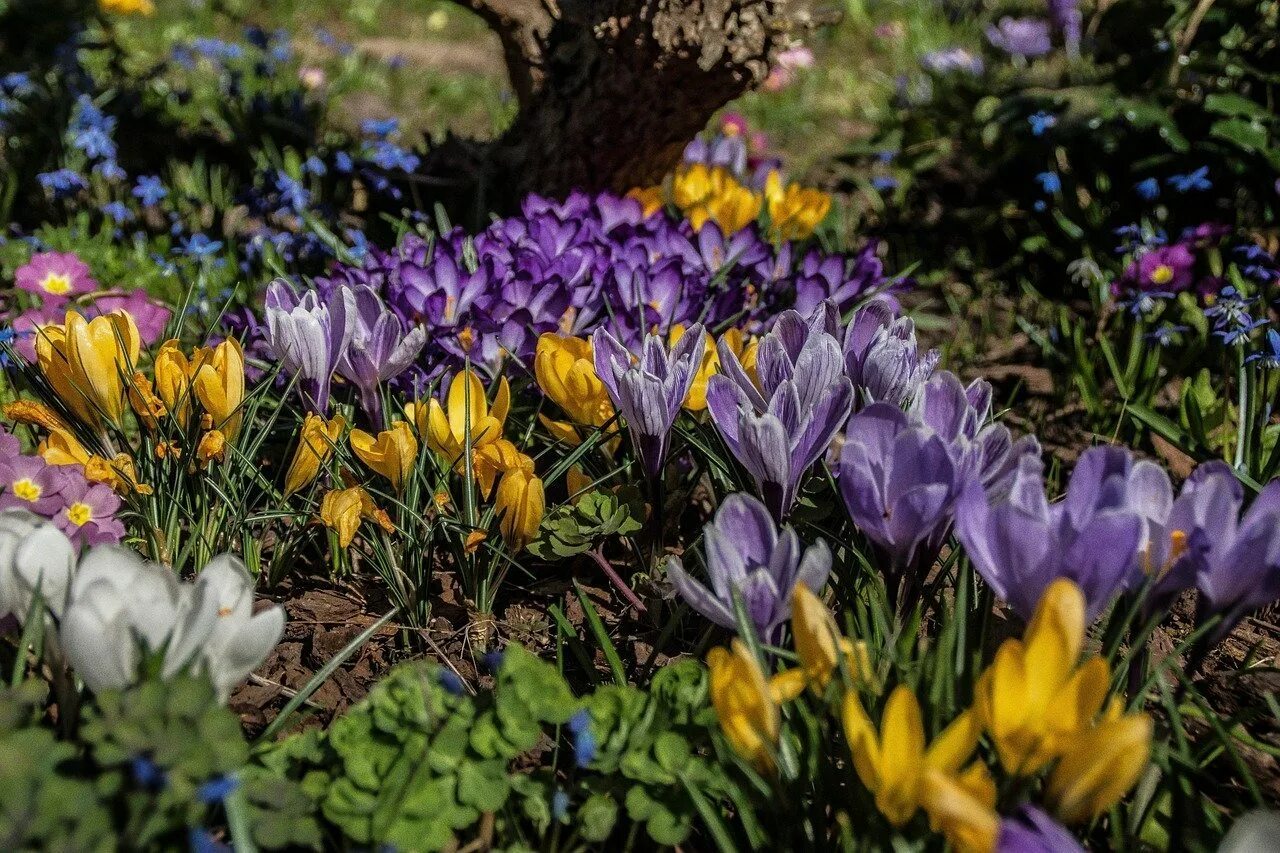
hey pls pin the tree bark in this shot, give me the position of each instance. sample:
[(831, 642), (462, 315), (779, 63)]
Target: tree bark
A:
[(610, 91)]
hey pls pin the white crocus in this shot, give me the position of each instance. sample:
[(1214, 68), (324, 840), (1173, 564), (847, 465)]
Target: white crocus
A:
[(240, 639), (34, 554)]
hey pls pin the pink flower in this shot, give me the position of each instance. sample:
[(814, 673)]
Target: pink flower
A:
[(150, 316), (89, 514), (30, 483), (783, 72), (56, 276)]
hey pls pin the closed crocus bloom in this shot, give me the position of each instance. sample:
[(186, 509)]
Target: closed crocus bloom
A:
[(34, 555), (380, 349), (341, 511), (794, 211), (316, 441), (566, 374), (1031, 830), (239, 639), (1100, 765), (962, 807), (693, 185), (650, 199), (173, 373), (391, 454), (818, 641), (894, 764), (491, 460), (734, 207), (309, 336), (744, 704), (520, 503), (86, 362), (219, 386), (1034, 698), (466, 413)]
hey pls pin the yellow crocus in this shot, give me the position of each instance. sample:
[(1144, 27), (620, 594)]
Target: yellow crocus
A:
[(127, 7), (1099, 765), (962, 807), (520, 503), (213, 446), (794, 211), (391, 454), (739, 344), (146, 405), (819, 644), (468, 413), (218, 384), (693, 184), (87, 362), (744, 704), (734, 207), (316, 440), (1034, 697), (173, 373), (650, 199), (341, 511), (492, 460), (566, 373), (895, 763)]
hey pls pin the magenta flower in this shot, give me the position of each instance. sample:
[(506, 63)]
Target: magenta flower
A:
[(30, 483), (1166, 269), (55, 276), (89, 515), (150, 316)]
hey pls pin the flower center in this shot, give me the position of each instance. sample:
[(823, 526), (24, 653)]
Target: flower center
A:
[(58, 284), (27, 490), (1162, 274), (79, 513)]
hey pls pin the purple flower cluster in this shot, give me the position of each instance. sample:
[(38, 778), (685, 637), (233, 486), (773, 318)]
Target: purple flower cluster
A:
[(84, 511), (591, 263)]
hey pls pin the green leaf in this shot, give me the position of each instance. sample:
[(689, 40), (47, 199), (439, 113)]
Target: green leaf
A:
[(597, 817), (1247, 135)]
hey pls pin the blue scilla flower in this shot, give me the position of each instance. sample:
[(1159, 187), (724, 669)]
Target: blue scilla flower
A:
[(118, 212), (886, 155), (450, 681), (1238, 335), (293, 194), (379, 128), (88, 116), (1230, 308), (315, 166), (201, 840), (343, 163), (149, 190), (17, 84), (110, 171), (1049, 182), (493, 661), (146, 773), (200, 246), (1165, 335), (213, 48), (7, 337), (1269, 355), (1257, 263), (1196, 181), (1141, 302), (389, 156), (1041, 122), (884, 183), (1147, 189), (560, 804), (62, 182), (217, 789)]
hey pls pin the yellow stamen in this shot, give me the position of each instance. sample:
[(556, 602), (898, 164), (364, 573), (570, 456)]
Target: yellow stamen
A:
[(79, 513), (1162, 274), (27, 490), (56, 284)]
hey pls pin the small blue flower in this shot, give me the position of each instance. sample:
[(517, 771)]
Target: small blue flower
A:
[(147, 774), (342, 162), (118, 212), (1041, 122), (200, 246), (1230, 309), (1166, 335), (62, 182), (149, 190), (95, 143), (1145, 302), (389, 156), (17, 84), (217, 789), (560, 804), (111, 171), (1049, 182), (1039, 205), (379, 128), (1240, 334), (1269, 355), (884, 183), (584, 748), (201, 840), (1147, 189), (580, 720), (1192, 181), (315, 166), (493, 661), (886, 155), (450, 681), (293, 194)]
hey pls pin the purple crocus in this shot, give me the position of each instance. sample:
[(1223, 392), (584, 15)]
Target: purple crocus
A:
[(1020, 37), (1020, 542), (749, 556), (1030, 830), (379, 351), (899, 483), (781, 428), (883, 359), (649, 391), (310, 336)]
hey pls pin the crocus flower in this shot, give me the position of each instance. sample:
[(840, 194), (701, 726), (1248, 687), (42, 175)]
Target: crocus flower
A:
[(466, 417), (240, 639), (1099, 765), (882, 358), (794, 211), (55, 276), (391, 454), (819, 644), (380, 349), (316, 441), (86, 363), (520, 503), (341, 510), (905, 775), (748, 556), (1031, 830), (218, 384), (566, 373), (744, 704), (1021, 543), (310, 337), (1021, 37), (34, 555), (779, 429), (649, 391)]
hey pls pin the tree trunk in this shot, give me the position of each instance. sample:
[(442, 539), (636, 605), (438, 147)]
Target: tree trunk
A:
[(610, 92)]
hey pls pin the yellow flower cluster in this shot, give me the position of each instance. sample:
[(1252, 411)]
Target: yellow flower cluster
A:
[(705, 193), (1037, 703), (127, 7)]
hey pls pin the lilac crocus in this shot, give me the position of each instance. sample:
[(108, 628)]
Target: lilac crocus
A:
[(1020, 37), (781, 428), (883, 359), (649, 391), (380, 349), (310, 336), (1020, 543), (748, 555), (899, 483), (1030, 830)]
